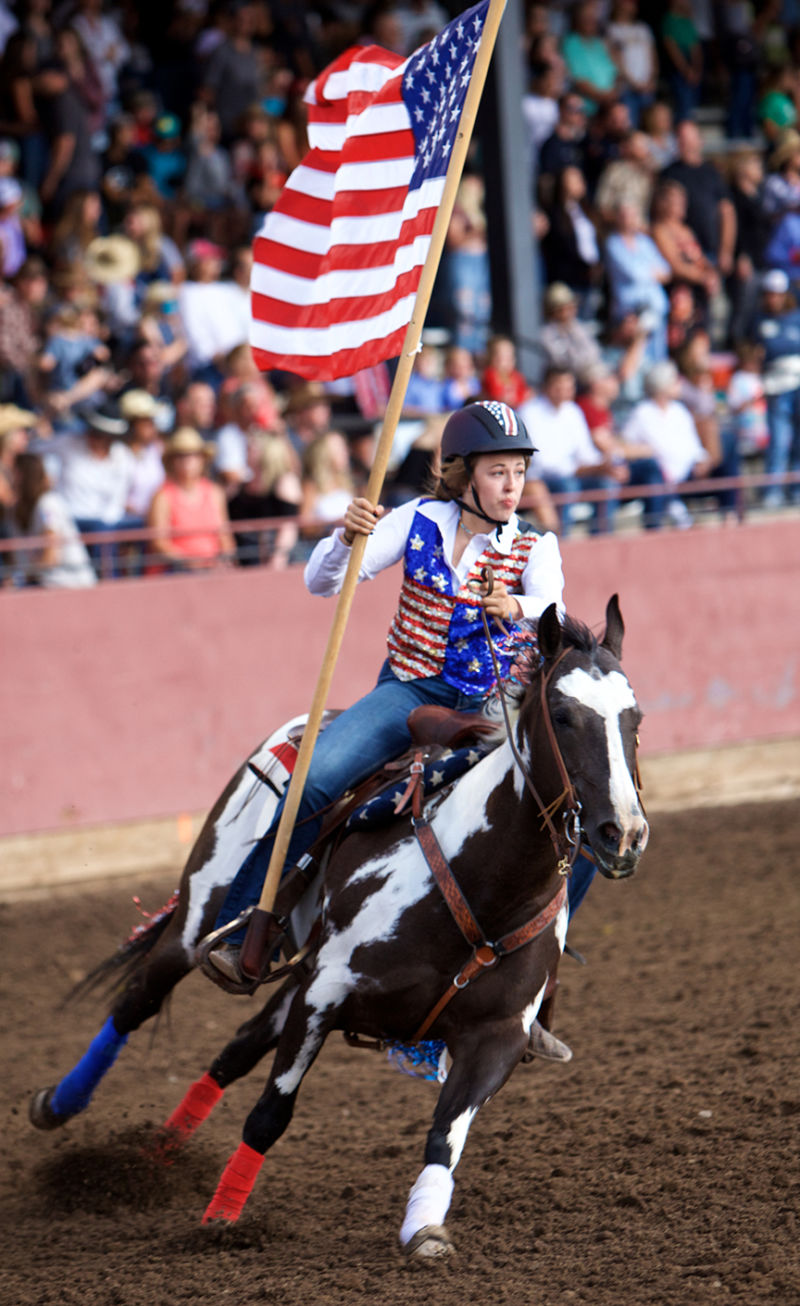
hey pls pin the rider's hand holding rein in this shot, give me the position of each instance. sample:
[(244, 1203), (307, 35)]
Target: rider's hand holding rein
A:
[(361, 518), (499, 603)]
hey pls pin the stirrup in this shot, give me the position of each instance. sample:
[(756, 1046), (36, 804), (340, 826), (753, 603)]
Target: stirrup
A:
[(210, 941)]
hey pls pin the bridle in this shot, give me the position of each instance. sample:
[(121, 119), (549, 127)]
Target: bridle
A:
[(566, 845)]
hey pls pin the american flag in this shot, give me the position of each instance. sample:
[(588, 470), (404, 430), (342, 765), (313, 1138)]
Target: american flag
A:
[(338, 261)]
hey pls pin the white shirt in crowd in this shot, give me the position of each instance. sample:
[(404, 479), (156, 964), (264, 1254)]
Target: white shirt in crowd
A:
[(95, 488), (72, 569), (215, 316), (671, 434), (561, 437)]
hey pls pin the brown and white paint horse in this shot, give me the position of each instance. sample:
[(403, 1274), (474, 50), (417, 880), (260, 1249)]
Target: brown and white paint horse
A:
[(389, 946)]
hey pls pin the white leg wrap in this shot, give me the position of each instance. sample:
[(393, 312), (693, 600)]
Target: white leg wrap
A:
[(428, 1201)]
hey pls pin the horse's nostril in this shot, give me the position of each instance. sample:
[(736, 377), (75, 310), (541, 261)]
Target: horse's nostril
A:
[(610, 834)]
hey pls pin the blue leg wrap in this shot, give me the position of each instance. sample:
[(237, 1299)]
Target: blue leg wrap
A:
[(74, 1092)]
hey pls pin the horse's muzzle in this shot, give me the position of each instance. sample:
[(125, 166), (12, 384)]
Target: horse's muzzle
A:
[(617, 853)]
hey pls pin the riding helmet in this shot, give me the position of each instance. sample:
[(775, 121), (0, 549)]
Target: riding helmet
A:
[(487, 426)]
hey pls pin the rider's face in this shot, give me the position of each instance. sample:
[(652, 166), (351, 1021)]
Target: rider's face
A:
[(499, 480)]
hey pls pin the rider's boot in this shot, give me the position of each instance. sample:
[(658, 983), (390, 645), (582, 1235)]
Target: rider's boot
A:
[(542, 1042)]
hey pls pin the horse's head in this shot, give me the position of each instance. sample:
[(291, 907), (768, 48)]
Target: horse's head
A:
[(595, 719)]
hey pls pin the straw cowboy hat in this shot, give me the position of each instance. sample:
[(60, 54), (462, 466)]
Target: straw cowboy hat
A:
[(558, 294), (138, 403), (111, 259), (788, 145), (13, 418), (186, 440)]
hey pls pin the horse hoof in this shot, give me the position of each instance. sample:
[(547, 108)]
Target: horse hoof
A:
[(40, 1113), (429, 1244)]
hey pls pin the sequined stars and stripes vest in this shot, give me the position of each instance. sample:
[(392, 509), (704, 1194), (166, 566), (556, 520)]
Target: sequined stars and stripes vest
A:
[(437, 629)]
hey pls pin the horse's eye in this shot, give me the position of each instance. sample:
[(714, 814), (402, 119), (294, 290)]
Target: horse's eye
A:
[(562, 717)]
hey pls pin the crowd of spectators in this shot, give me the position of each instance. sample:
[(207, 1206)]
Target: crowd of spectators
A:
[(140, 149)]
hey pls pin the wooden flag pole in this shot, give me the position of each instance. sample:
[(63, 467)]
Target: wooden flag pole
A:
[(259, 926)]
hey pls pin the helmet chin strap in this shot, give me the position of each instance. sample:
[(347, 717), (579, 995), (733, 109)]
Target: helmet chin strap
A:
[(478, 509)]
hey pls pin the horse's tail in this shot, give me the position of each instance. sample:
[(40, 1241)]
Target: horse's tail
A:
[(113, 974)]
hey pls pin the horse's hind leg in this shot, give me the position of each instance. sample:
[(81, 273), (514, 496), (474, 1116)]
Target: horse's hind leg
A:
[(252, 1041), (480, 1067), (305, 1031), (143, 996)]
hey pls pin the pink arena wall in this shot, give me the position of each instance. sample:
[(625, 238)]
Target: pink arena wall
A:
[(137, 700)]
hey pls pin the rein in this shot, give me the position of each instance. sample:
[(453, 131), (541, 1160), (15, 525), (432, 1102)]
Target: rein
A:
[(566, 858)]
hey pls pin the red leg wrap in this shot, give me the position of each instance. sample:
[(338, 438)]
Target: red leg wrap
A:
[(197, 1105), (235, 1186)]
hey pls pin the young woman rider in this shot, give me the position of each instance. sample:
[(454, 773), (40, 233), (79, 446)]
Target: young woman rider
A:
[(438, 651)]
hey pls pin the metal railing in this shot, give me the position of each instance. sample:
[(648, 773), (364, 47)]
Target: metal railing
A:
[(120, 554)]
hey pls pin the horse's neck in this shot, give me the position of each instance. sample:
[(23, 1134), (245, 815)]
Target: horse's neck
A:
[(490, 830)]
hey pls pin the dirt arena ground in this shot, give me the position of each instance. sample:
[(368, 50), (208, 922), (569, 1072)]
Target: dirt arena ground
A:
[(658, 1169)]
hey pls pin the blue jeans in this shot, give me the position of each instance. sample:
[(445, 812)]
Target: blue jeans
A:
[(602, 518), (352, 747), (646, 471), (783, 450)]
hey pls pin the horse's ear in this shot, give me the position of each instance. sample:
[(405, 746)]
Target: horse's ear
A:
[(615, 628), (549, 632)]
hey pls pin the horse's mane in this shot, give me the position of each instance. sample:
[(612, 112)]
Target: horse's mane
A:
[(528, 660)]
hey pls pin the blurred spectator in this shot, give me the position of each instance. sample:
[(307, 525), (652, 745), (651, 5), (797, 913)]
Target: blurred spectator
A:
[(637, 274), (159, 257), (95, 475), (709, 213), (15, 428), (461, 379), (567, 458), (139, 410), (747, 401), (781, 192), (77, 227), (209, 187), (327, 480), (633, 47), (72, 162), (209, 308), (123, 169), (239, 370), (628, 178), (595, 402), (63, 562), (678, 244), (196, 407), (501, 377), (623, 353), (231, 461), (570, 248), (307, 414), (605, 134), (273, 490), (112, 263), (165, 158), (21, 306), (566, 342), (739, 49), (661, 427), (74, 367), (466, 267), (752, 231), (233, 74), (189, 512), (683, 55), (779, 335), (425, 390), (777, 109), (698, 392), (564, 148), (540, 105), (657, 124), (160, 322), (104, 43), (12, 237), (145, 370), (590, 65), (420, 468), (83, 76)]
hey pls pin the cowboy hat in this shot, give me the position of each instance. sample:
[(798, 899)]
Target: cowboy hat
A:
[(559, 294), (111, 259), (138, 403), (105, 420), (186, 440), (13, 418)]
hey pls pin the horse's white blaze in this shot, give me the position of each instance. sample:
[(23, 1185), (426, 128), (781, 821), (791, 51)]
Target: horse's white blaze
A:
[(457, 1134), (608, 696), (407, 880)]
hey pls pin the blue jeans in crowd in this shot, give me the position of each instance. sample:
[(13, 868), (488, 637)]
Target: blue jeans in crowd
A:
[(646, 471), (352, 747), (783, 450), (602, 519)]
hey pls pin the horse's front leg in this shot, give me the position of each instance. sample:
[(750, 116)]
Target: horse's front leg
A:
[(304, 1033), (482, 1062)]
